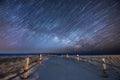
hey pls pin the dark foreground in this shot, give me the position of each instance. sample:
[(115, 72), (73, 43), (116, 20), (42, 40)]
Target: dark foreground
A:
[(60, 68), (68, 69)]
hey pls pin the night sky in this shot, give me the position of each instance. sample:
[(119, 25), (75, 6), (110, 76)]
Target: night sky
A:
[(59, 25)]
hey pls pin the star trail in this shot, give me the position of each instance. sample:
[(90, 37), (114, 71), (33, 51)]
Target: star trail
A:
[(59, 25)]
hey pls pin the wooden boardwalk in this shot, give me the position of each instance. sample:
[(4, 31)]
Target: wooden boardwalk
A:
[(68, 69)]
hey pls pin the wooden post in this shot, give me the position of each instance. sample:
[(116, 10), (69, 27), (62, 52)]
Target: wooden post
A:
[(77, 57), (40, 58), (26, 67), (104, 74)]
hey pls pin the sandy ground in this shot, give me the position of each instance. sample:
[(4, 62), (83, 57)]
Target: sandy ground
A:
[(68, 69)]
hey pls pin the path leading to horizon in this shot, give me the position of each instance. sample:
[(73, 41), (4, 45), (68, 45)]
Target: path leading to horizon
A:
[(67, 69)]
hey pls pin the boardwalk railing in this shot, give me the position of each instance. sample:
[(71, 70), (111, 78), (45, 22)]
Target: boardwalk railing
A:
[(106, 63), (19, 69)]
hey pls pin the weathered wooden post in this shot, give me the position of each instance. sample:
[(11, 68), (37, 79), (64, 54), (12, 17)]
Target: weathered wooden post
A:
[(77, 57), (26, 67), (40, 58), (104, 74)]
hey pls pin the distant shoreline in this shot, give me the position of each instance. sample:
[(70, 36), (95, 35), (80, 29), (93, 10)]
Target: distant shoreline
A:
[(80, 53)]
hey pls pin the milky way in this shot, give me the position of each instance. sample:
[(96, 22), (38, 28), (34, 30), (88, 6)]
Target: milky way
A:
[(59, 25)]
